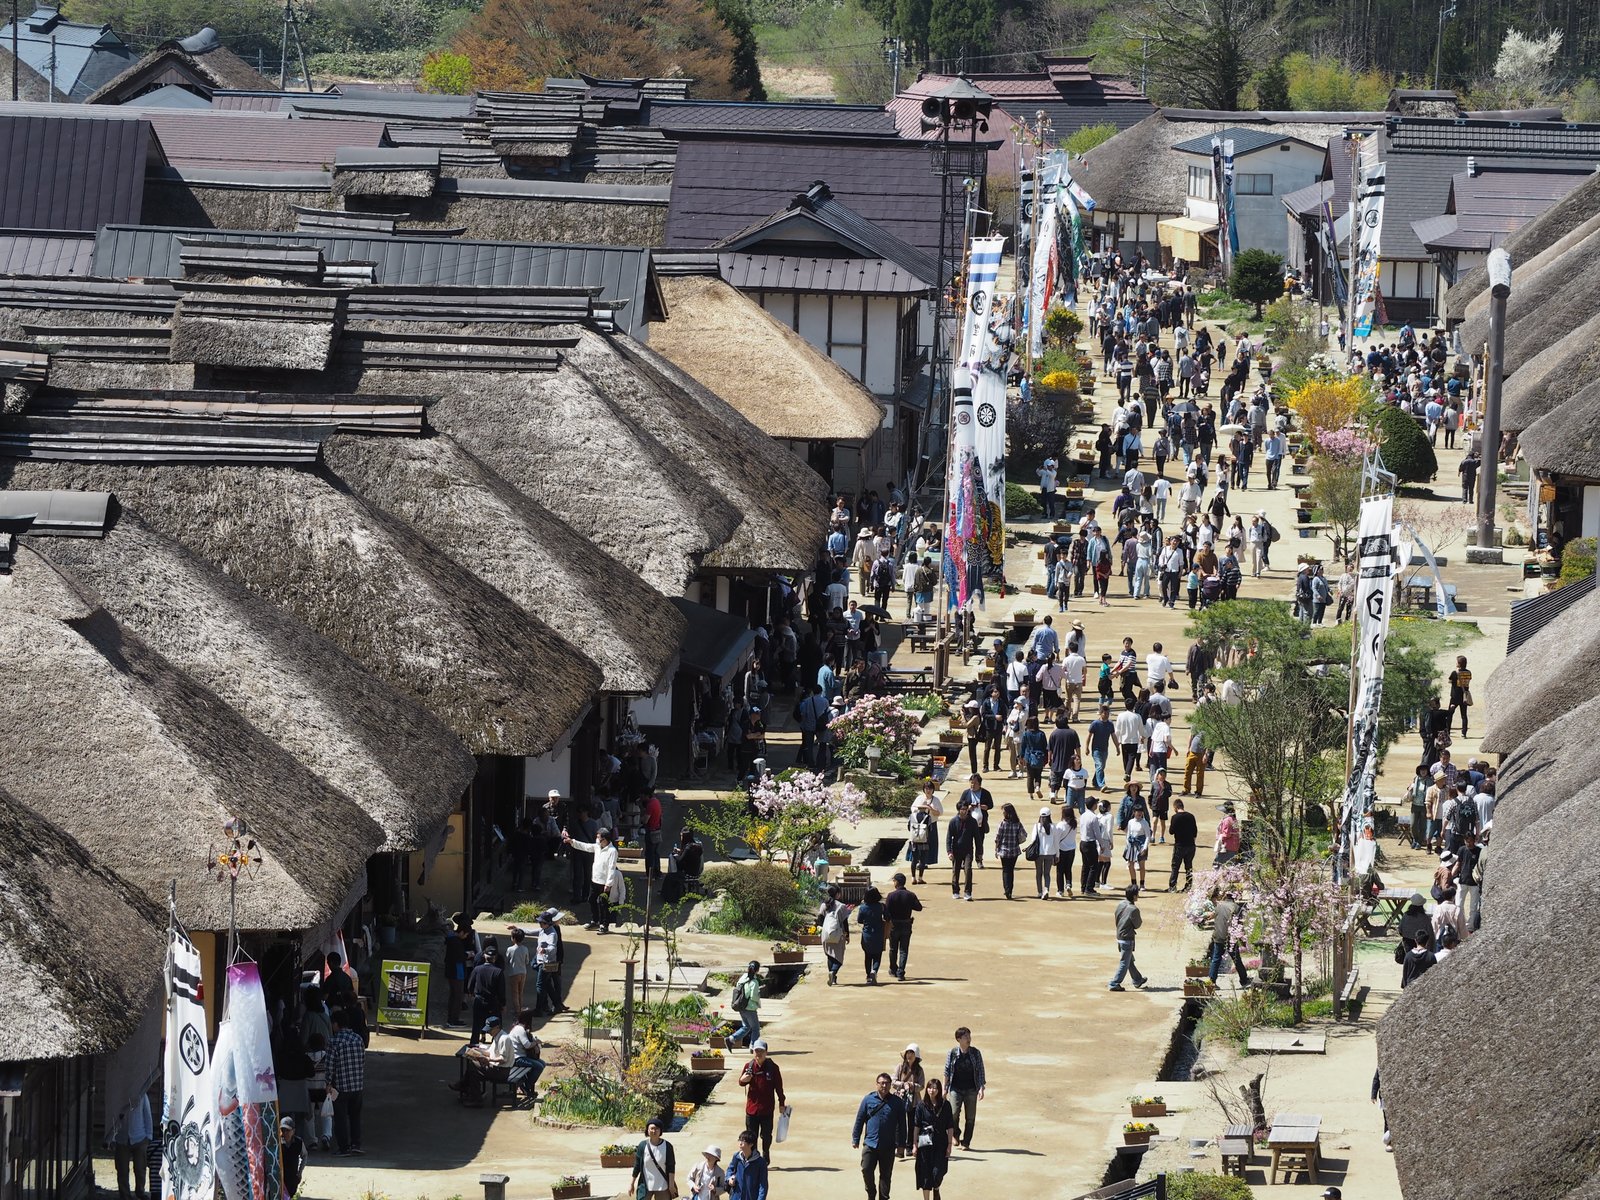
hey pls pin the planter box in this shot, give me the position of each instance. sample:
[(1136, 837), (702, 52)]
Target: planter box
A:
[(577, 1191), (630, 854), (707, 1064), (1148, 1110), (1138, 1139), (808, 939), (616, 1160), (717, 1041), (788, 956), (1199, 987), (1036, 589), (837, 859), (1197, 972)]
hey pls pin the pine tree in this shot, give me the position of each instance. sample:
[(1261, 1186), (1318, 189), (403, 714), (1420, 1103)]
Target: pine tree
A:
[(746, 78), (960, 30)]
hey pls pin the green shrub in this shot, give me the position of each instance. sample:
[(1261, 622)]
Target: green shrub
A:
[(759, 899), (1020, 503), (1090, 136), (1192, 1185), (1577, 560), (369, 64), (1404, 446), (1062, 326), (1257, 277)]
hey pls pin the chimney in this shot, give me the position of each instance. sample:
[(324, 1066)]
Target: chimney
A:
[(1472, 167)]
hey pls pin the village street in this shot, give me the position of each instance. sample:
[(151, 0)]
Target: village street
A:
[(1062, 1053)]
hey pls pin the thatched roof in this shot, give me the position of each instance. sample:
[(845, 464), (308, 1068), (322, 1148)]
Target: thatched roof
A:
[(1560, 761), (522, 549), (80, 950), (499, 679), (1554, 671), (1548, 301), (1137, 171), (201, 61), (142, 766), (1551, 378), (1566, 441), (773, 376), (563, 442), (386, 752), (781, 501), (1554, 225), (1540, 892)]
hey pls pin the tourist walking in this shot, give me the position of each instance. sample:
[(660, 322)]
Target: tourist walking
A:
[(833, 923), (934, 1126), (707, 1179), (964, 1082), (747, 1172), (898, 906), (870, 916), (347, 1078), (746, 1001), (909, 1078), (1227, 911), (961, 843), (762, 1082), (1042, 847), (655, 1165), (878, 1133), (1128, 920), (1008, 846), (1185, 832), (487, 984)]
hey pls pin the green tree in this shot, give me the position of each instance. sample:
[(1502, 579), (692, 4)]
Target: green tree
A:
[(1335, 494), (911, 19), (1272, 87), (1405, 447), (746, 77), (1202, 52), (959, 30), (1257, 278), (446, 72), (1324, 84), (1090, 136), (1584, 104)]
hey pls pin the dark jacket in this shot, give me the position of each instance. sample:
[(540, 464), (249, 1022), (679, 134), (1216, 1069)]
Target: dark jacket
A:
[(1185, 830), (747, 1177), (880, 1121), (961, 837), (1129, 918)]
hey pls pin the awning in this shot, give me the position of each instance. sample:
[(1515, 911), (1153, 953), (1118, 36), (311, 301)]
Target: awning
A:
[(1182, 236), (716, 643)]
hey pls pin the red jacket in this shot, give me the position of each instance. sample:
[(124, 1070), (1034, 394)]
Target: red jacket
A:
[(763, 1087)]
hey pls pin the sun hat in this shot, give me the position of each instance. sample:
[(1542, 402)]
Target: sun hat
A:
[(714, 1152), (911, 1048)]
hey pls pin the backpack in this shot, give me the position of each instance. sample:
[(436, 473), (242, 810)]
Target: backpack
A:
[(1272, 534), (834, 925), (920, 825), (740, 1000), (1465, 820)]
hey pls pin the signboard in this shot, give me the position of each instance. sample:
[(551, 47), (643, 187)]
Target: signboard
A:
[(403, 994)]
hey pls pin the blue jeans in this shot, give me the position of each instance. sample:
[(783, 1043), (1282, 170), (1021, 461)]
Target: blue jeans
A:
[(1220, 951), (1099, 759), (1141, 580), (749, 1028), (1126, 966)]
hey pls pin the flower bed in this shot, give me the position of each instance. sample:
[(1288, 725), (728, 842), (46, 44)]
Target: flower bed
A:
[(1138, 1133)]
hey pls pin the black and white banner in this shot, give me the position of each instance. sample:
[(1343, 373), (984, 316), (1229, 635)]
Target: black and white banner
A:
[(1375, 571)]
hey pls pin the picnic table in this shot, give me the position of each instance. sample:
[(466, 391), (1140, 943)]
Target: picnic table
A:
[(1391, 903), (1295, 1141)]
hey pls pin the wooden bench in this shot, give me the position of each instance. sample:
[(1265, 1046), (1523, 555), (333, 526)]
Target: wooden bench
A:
[(922, 638), (519, 1080), (1295, 1140), (1237, 1145), (905, 677), (1344, 1005)]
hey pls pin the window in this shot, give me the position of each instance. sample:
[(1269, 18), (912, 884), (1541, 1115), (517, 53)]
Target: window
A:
[(1201, 183), (1252, 185)]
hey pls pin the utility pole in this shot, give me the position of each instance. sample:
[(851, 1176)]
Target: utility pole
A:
[(291, 28), (16, 63), (1445, 13), (891, 53), (1499, 291), (1144, 67)]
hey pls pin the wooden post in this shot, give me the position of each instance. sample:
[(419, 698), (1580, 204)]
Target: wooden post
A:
[(627, 1011)]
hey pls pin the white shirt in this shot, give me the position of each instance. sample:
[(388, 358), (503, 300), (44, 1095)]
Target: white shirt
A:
[(605, 860), (1129, 728), (1045, 842), (1366, 853), (517, 957), (655, 1166), (1017, 676), (1073, 668), (1158, 668), (1161, 489), (1076, 779), (1160, 737), (547, 946)]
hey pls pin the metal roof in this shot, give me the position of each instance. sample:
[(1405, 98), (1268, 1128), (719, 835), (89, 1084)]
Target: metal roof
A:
[(71, 174), (814, 273), (624, 275), (170, 95), (58, 513), (1309, 198), (722, 185), (383, 158), (85, 56), (1245, 141), (735, 116), (253, 141), (841, 224), (35, 253), (1489, 205), (1466, 135)]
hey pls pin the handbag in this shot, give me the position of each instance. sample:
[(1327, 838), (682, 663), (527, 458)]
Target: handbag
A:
[(1466, 697)]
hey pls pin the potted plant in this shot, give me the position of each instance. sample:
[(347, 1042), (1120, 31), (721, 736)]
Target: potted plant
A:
[(787, 952), (1199, 987), (809, 935), (838, 856), (627, 853), (573, 1187), (1147, 1106), (1138, 1133), (1024, 616), (616, 1155), (707, 1060), (1197, 968)]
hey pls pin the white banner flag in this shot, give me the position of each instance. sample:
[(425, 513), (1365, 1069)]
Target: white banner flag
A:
[(1375, 571), (1369, 234), (989, 436), (1041, 278), (187, 1134), (983, 269)]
